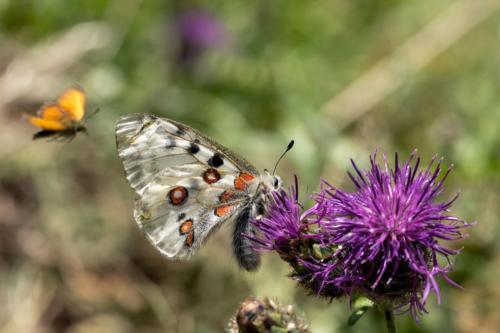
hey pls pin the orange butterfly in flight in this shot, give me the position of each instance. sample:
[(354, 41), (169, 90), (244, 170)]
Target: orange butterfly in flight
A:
[(63, 118)]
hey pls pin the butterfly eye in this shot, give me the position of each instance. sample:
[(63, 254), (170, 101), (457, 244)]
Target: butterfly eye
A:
[(276, 182)]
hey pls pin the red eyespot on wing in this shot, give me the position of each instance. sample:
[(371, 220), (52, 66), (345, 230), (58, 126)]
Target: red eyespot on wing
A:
[(224, 210), (186, 227), (178, 195), (211, 176), (240, 183), (189, 239), (226, 195)]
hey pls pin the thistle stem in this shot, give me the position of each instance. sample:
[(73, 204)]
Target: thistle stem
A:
[(389, 321)]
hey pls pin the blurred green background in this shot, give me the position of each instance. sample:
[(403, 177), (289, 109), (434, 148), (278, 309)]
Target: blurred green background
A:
[(341, 77)]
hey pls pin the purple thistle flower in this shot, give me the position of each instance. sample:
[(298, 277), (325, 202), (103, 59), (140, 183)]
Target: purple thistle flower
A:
[(381, 241), (281, 224), (289, 230), (197, 31)]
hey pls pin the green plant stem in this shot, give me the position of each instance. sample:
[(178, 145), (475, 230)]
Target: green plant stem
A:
[(389, 321)]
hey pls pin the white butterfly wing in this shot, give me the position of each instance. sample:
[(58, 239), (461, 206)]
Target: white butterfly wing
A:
[(185, 182)]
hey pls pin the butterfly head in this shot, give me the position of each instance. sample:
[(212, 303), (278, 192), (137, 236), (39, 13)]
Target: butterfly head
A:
[(81, 128), (271, 181)]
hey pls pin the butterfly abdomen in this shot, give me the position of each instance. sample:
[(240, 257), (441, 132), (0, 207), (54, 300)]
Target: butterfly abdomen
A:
[(245, 254), (43, 134), (68, 133)]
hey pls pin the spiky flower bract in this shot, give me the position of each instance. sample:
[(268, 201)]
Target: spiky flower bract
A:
[(382, 241)]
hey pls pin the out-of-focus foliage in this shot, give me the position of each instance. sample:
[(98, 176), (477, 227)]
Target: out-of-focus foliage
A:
[(71, 258)]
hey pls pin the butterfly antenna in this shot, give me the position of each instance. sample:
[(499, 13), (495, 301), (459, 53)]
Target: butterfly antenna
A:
[(290, 145), (91, 115)]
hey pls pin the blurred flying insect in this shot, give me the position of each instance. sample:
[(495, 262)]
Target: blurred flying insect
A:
[(62, 119)]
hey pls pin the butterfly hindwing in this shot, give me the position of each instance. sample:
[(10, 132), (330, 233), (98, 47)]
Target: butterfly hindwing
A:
[(185, 182)]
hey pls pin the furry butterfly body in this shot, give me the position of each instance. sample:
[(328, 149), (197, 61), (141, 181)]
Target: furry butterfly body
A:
[(188, 185)]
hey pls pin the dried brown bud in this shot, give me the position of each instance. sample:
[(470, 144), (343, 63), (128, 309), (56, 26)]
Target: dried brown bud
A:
[(265, 316)]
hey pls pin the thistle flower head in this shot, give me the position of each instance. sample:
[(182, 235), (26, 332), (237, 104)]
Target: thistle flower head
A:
[(197, 31), (382, 241), (281, 224)]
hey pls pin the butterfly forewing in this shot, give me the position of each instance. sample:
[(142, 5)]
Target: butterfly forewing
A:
[(51, 111), (185, 182), (72, 101)]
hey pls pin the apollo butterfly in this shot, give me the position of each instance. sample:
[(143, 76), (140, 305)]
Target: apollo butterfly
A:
[(188, 185)]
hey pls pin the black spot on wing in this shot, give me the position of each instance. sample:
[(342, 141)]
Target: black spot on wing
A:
[(216, 160), (193, 148), (181, 217)]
